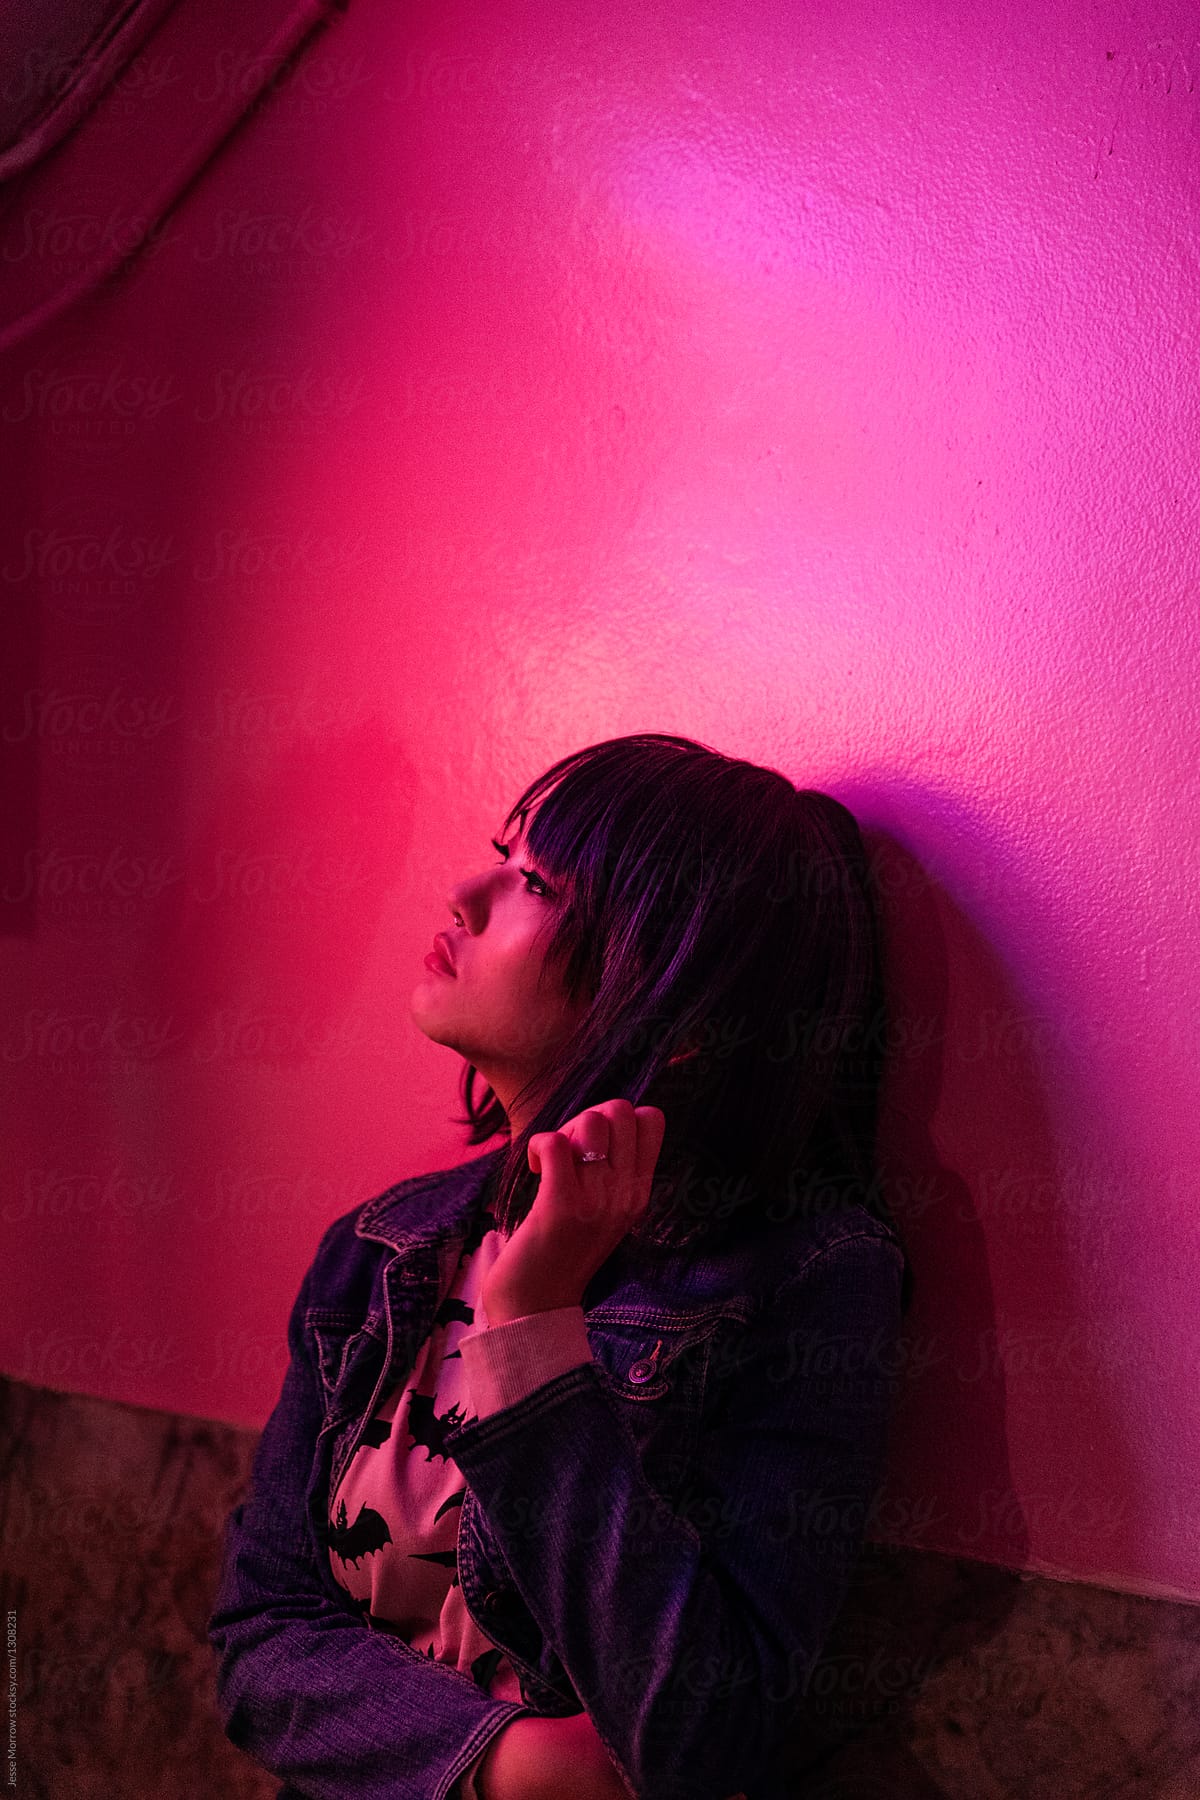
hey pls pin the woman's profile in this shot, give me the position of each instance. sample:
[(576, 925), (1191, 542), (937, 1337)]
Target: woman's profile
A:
[(577, 1440)]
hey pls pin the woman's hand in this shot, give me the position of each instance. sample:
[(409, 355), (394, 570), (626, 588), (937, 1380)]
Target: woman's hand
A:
[(581, 1210), (543, 1759)]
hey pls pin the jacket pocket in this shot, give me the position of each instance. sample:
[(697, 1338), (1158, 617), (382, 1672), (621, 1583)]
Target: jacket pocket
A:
[(647, 1353), (654, 1365), (329, 1332)]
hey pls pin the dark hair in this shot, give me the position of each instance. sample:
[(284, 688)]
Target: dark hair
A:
[(721, 924)]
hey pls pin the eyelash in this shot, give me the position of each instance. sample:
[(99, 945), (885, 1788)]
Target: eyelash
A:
[(529, 874)]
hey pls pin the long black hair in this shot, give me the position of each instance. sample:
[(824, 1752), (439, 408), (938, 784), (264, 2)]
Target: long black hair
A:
[(721, 927)]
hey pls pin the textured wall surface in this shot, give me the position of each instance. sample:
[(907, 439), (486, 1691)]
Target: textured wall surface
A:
[(820, 382)]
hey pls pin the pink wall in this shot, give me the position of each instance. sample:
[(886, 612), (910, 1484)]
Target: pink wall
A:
[(817, 383)]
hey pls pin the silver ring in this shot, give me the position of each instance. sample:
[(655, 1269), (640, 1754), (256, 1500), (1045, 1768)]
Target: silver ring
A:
[(593, 1156)]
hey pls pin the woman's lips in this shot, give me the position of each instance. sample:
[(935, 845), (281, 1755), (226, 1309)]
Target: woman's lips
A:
[(437, 961)]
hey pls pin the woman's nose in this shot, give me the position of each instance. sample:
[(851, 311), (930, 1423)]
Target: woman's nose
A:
[(464, 903), (468, 900)]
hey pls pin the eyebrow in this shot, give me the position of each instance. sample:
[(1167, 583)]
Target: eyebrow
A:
[(532, 858)]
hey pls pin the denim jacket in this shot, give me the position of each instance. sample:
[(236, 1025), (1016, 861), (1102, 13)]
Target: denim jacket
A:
[(662, 1536)]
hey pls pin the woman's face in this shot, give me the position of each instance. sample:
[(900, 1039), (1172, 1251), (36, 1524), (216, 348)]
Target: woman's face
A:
[(503, 1008)]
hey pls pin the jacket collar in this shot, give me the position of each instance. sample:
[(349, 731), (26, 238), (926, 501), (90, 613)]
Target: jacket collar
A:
[(423, 1208)]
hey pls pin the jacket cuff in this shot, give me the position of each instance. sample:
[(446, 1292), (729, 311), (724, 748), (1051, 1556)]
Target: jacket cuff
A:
[(505, 1362)]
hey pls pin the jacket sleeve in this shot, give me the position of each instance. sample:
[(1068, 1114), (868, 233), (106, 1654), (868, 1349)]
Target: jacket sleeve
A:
[(303, 1684), (717, 1628)]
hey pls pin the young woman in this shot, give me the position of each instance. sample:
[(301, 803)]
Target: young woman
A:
[(577, 1441)]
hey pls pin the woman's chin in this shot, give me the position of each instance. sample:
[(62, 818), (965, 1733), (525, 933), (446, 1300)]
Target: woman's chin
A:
[(423, 1005)]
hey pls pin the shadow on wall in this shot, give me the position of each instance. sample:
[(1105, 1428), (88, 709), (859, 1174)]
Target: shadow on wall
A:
[(948, 1484), (967, 1053), (973, 1065), (906, 1616)]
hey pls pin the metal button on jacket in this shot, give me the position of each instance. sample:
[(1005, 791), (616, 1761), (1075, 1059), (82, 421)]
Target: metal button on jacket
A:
[(642, 1371)]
